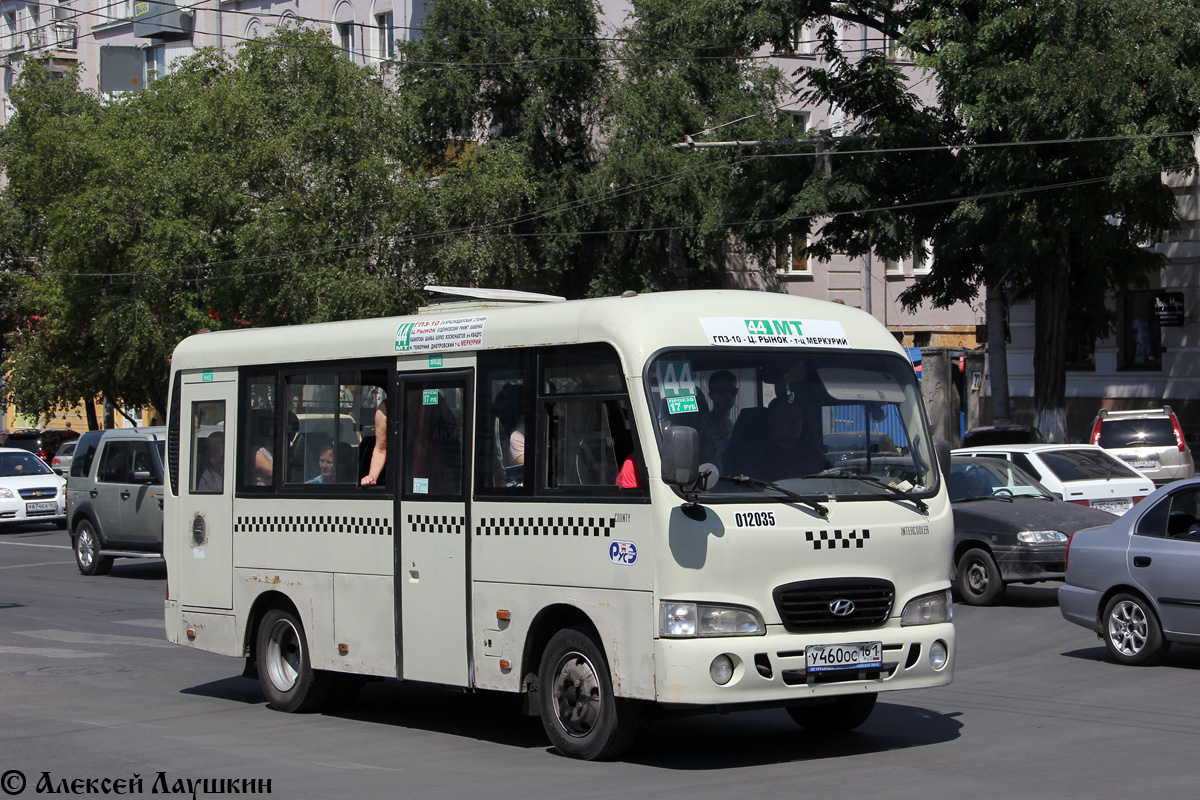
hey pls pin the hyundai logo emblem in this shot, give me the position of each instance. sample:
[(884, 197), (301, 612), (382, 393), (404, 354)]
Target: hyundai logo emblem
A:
[(841, 607)]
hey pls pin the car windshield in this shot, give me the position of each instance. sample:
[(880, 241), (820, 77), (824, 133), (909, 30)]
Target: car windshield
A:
[(15, 464), (983, 477), (1154, 432), (1084, 465), (814, 423)]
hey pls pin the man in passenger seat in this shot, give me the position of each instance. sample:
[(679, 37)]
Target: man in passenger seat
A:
[(783, 451)]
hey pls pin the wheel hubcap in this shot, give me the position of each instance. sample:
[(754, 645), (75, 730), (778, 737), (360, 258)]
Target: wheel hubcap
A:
[(85, 548), (283, 655), (977, 578), (576, 694), (1128, 628)]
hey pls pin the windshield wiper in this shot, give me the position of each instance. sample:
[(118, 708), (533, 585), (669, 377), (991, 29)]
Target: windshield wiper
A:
[(872, 480), (746, 480)]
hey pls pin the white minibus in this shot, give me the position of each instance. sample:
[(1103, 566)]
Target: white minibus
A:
[(701, 500)]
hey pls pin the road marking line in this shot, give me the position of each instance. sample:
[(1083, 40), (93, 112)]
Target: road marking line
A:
[(78, 637), (143, 623), (32, 544), (39, 564), (48, 652)]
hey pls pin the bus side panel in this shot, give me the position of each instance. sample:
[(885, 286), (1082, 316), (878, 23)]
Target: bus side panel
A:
[(364, 621), (309, 592), (333, 535), (624, 622)]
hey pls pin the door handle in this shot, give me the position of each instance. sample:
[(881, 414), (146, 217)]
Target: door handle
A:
[(93, 492), (124, 494), (1141, 561)]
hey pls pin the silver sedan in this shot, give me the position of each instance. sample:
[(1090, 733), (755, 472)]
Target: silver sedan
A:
[(1135, 582)]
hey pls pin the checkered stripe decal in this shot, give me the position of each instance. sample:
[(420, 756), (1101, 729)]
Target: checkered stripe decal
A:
[(369, 526), (601, 527), (831, 539), (420, 523)]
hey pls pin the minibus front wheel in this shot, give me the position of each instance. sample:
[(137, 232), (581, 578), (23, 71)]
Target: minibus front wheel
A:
[(580, 711)]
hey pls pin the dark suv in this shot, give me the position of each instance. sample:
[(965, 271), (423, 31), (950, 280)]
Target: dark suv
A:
[(43, 443)]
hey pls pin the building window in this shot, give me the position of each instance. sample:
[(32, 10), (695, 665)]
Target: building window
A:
[(922, 261), (12, 39), (791, 255), (155, 63), (894, 266), (346, 38), (1140, 337), (387, 36), (800, 119)]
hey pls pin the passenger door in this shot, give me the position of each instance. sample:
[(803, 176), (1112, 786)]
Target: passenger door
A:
[(112, 468), (1164, 559), (142, 498), (433, 556)]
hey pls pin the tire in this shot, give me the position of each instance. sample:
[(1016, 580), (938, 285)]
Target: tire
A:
[(285, 672), (842, 715), (1131, 631), (86, 544), (580, 711), (977, 578)]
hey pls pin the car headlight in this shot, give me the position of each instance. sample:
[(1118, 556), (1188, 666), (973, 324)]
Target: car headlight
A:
[(928, 609), (689, 620), (7, 494), (1042, 537)]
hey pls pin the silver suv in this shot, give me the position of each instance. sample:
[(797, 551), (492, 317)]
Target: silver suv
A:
[(115, 496), (1149, 440)]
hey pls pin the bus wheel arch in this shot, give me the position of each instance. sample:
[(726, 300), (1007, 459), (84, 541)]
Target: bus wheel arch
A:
[(549, 621)]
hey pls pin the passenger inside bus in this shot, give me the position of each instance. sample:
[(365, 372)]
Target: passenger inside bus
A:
[(212, 477), (717, 427), (779, 449), (379, 449)]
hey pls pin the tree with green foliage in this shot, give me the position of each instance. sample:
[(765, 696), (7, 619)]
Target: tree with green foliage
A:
[(253, 190), (1049, 132)]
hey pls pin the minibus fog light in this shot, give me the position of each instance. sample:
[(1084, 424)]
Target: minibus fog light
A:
[(938, 655), (721, 670), (687, 620), (928, 609)]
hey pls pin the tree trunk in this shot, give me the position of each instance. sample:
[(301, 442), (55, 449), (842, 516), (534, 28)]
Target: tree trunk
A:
[(89, 405), (1052, 301), (997, 350)]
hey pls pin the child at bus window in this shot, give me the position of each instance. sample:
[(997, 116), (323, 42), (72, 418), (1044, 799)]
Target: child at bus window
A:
[(379, 453)]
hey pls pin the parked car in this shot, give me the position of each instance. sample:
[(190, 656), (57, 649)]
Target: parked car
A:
[(29, 490), (1002, 434), (115, 496), (43, 444), (1149, 440), (1008, 528), (61, 462), (1079, 473), (1134, 582)]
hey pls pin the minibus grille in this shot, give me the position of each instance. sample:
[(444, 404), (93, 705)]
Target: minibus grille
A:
[(809, 605)]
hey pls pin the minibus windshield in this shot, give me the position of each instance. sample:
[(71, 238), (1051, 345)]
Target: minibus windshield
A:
[(845, 425)]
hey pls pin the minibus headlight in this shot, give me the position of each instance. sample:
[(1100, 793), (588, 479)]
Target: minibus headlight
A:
[(1042, 537), (928, 609), (688, 620)]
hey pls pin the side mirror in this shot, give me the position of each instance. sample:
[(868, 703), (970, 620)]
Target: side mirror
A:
[(942, 449), (143, 476), (680, 456)]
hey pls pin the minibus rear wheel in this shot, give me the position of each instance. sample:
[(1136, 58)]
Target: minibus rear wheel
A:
[(285, 672), (580, 711)]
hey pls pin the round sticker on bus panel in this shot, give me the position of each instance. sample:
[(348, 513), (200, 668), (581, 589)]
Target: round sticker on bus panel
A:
[(622, 553)]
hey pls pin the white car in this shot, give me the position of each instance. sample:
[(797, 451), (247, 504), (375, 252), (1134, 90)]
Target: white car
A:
[(1080, 473), (29, 489)]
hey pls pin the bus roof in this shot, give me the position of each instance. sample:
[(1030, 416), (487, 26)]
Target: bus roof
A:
[(637, 325)]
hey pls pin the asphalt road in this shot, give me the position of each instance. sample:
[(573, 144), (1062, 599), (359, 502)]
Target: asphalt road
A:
[(90, 689)]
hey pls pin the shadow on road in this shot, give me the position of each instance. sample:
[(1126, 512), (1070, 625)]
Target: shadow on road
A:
[(140, 569), (1180, 656), (697, 742)]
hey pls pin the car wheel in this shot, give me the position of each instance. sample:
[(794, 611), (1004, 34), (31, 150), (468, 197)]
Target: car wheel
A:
[(842, 715), (1132, 632), (87, 551), (580, 711), (285, 672), (977, 578)]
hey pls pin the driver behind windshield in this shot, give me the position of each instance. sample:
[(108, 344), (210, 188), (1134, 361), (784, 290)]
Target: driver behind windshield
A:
[(781, 450)]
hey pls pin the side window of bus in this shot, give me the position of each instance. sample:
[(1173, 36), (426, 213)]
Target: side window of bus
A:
[(256, 446), (589, 438), (433, 443), (331, 426), (207, 468), (505, 406)]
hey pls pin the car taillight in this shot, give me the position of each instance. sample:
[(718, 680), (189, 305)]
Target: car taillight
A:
[(42, 455), (1081, 502), (1138, 498), (1178, 433), (1096, 431)]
